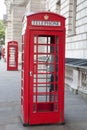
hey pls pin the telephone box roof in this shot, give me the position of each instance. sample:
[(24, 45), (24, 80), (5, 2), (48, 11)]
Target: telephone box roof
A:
[(47, 12)]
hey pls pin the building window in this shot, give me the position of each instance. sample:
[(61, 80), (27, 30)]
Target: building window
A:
[(58, 7), (72, 17)]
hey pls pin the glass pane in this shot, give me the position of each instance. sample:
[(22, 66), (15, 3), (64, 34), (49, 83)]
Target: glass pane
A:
[(42, 40), (35, 39), (34, 48)]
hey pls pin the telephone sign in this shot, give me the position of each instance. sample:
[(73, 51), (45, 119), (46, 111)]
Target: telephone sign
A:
[(46, 23)]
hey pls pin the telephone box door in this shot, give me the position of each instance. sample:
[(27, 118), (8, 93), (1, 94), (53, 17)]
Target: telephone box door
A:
[(12, 56), (45, 86)]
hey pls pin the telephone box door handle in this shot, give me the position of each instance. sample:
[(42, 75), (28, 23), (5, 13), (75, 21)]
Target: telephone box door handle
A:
[(30, 73)]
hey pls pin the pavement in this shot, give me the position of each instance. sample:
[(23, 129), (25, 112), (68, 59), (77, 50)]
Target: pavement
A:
[(75, 106)]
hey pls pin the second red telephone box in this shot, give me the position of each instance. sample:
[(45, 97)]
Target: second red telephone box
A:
[(42, 74), (12, 55)]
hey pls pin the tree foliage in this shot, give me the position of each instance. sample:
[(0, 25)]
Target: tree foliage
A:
[(2, 32)]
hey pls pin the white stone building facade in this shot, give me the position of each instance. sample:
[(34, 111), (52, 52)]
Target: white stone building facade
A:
[(75, 12), (15, 11)]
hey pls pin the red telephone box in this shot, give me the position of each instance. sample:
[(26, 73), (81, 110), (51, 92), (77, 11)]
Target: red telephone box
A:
[(43, 65), (12, 55)]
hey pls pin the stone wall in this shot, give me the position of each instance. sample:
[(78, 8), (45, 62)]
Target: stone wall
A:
[(76, 79), (75, 12), (36, 6), (15, 11), (76, 46), (8, 31), (17, 16)]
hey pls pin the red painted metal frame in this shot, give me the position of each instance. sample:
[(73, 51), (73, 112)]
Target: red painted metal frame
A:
[(12, 55), (45, 112)]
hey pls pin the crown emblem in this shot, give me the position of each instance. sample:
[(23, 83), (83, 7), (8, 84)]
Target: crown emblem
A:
[(46, 17)]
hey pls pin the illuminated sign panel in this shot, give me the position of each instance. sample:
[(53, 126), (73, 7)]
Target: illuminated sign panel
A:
[(46, 23)]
